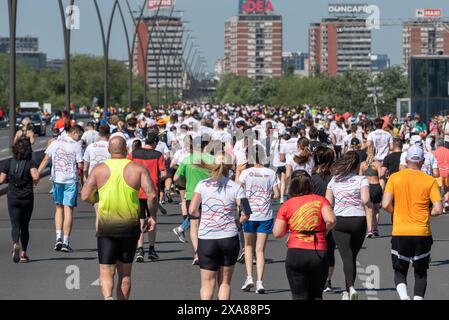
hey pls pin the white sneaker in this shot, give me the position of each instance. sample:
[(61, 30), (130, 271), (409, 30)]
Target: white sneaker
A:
[(353, 295), (249, 283), (259, 287), (406, 298), (345, 295)]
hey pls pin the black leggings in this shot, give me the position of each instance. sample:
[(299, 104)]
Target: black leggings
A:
[(20, 212), (400, 276), (331, 249), (337, 151), (349, 234), (307, 272)]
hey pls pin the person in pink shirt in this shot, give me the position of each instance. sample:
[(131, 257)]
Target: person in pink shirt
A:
[(442, 156)]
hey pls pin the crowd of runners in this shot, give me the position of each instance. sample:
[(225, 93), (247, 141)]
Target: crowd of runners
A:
[(228, 165)]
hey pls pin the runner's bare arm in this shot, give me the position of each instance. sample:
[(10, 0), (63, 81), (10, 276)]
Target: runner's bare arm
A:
[(90, 188), (43, 164), (437, 209), (387, 202), (147, 186), (3, 177), (195, 205), (279, 228), (329, 218)]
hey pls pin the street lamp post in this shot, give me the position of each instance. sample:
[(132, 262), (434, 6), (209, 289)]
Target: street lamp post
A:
[(131, 46), (67, 37), (106, 39), (12, 6)]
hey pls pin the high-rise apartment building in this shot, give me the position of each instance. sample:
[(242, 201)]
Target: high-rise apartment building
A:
[(253, 41), (425, 37), (339, 44)]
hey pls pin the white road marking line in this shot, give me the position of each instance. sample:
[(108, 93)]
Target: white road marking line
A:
[(4, 150), (96, 283)]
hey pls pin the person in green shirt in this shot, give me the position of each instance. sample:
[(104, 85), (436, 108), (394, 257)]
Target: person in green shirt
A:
[(192, 174)]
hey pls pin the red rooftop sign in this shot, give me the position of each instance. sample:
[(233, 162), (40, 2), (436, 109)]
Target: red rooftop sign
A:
[(428, 13), (257, 6)]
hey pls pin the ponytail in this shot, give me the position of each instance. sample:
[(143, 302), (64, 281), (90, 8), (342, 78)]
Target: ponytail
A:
[(346, 165), (304, 156)]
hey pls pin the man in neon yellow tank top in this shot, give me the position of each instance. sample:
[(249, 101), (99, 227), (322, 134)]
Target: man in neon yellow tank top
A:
[(120, 221)]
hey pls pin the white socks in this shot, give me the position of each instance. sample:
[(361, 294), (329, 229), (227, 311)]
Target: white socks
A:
[(66, 240), (58, 234), (402, 291)]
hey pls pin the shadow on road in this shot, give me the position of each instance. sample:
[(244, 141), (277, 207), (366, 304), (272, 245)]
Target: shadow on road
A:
[(64, 259), (439, 263)]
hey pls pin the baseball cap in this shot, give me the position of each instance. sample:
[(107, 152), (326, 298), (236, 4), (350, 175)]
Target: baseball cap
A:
[(415, 154), (416, 140)]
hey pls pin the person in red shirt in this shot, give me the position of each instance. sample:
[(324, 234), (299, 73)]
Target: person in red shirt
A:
[(60, 124), (442, 156), (308, 218), (154, 161)]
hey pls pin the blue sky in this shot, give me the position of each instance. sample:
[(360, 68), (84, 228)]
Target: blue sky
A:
[(41, 18)]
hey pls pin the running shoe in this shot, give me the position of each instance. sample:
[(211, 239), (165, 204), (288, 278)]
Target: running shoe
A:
[(168, 197), (140, 254), (241, 258), (195, 262), (16, 253), (259, 287), (254, 260), (152, 255), (376, 233), (248, 285), (353, 295), (345, 295), (24, 259), (163, 211), (370, 235), (328, 286), (180, 234), (58, 245), (66, 248)]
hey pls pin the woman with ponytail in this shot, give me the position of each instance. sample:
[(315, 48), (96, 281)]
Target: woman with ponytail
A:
[(303, 160), (371, 170), (324, 158), (218, 242), (348, 193), (261, 185)]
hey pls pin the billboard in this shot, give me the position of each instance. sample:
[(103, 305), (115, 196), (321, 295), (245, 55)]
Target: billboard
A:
[(255, 6), (153, 5), (348, 9), (429, 13)]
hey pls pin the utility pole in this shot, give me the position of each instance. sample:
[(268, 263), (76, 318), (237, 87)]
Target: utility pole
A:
[(12, 6)]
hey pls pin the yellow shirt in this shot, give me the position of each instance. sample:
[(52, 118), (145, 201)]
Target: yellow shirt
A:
[(413, 191)]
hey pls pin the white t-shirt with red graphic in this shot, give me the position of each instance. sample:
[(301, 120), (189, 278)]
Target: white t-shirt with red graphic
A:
[(259, 183), (218, 203)]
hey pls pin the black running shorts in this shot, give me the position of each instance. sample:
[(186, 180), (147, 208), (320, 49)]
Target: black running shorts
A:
[(217, 253), (111, 250), (411, 249), (375, 193)]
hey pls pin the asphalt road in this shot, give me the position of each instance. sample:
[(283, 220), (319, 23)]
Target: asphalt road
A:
[(54, 275), (41, 142)]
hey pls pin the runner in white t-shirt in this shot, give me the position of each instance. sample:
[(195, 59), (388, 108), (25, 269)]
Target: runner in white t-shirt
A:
[(260, 184), (218, 244), (348, 193), (91, 135), (67, 159), (382, 141)]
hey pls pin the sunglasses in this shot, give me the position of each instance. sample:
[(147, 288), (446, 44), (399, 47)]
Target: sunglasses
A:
[(301, 173)]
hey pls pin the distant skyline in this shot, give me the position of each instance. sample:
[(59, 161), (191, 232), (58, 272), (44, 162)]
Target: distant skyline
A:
[(207, 17)]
